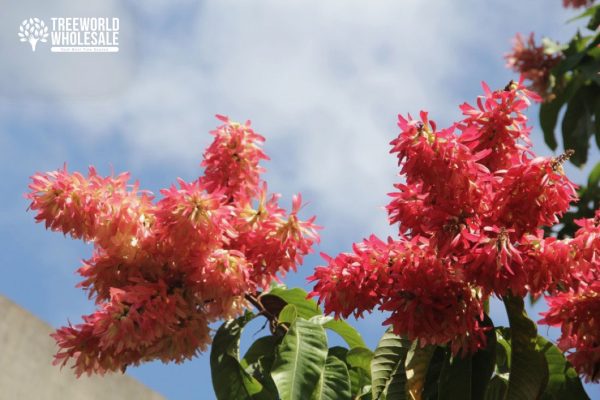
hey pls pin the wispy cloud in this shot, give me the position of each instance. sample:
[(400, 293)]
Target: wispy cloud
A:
[(323, 82)]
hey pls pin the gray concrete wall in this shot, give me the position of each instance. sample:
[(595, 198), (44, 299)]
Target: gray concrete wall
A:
[(26, 370)]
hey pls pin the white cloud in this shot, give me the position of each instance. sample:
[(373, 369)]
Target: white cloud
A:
[(322, 80)]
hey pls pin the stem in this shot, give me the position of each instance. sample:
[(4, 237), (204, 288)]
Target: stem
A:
[(254, 299)]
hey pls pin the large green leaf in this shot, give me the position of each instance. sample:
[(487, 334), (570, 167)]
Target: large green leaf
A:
[(261, 347), (577, 124), (300, 360), (307, 308), (430, 391), (360, 357), (387, 366), (455, 378), (549, 110), (528, 367), (573, 54), (360, 383), (359, 378), (468, 377), (288, 314), (484, 362), (347, 332), (563, 381), (334, 383), (503, 350), (416, 366), (258, 361), (496, 389), (230, 380), (548, 116), (593, 12)]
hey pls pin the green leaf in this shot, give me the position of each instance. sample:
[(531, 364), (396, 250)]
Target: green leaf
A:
[(360, 383), (430, 391), (416, 366), (595, 18), (262, 347), (503, 350), (387, 366), (548, 116), (574, 53), (455, 378), (360, 357), (496, 389), (288, 314), (334, 382), (594, 178), (258, 361), (549, 110), (467, 377), (577, 124), (528, 367), (346, 332), (563, 381), (339, 352), (307, 308), (300, 359), (484, 362), (230, 380), (594, 13), (321, 319)]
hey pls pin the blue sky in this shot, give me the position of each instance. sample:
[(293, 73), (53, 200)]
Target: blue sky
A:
[(323, 83)]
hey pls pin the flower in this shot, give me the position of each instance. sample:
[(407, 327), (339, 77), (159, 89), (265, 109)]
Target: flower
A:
[(576, 310), (531, 194), (431, 302), (231, 162), (162, 272), (353, 283), (469, 209), (533, 62), (577, 3), (105, 210), (497, 128), (139, 323)]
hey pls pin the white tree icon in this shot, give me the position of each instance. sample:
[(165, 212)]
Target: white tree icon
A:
[(33, 30)]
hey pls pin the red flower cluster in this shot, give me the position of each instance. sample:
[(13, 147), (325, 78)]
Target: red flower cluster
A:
[(577, 3), (162, 272), (533, 62), (469, 212), (577, 311)]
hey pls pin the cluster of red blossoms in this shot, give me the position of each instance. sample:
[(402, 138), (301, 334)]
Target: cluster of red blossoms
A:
[(163, 271), (577, 3), (533, 62), (577, 310), (470, 209)]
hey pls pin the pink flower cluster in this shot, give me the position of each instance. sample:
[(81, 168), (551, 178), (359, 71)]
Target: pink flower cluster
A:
[(469, 212), (163, 271), (577, 310), (533, 62)]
